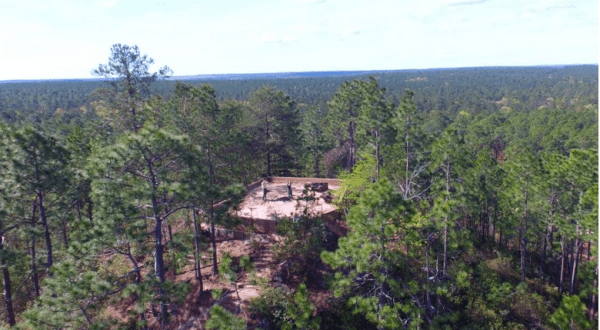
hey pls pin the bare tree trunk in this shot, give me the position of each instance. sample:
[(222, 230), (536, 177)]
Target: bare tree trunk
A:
[(46, 232), (523, 242), (90, 208), (562, 264), (377, 154), (160, 264), (138, 281), (158, 253), (406, 190), (494, 224), (593, 302), (523, 237), (551, 244), (428, 273), (500, 238), (10, 314), (214, 240), (317, 170), (34, 276), (351, 129), (268, 147), (197, 261), (577, 246), (545, 237), (64, 234), (78, 203), (448, 169)]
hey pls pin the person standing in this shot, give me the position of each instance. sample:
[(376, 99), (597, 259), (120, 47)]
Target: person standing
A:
[(289, 190), (264, 186)]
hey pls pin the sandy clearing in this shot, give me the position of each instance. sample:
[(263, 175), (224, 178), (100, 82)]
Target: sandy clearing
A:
[(278, 205)]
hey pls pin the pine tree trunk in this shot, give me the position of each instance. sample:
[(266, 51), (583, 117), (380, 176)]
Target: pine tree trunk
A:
[(64, 234), (158, 253), (500, 238), (46, 232), (34, 276), (351, 129), (575, 265), (268, 147), (523, 237), (545, 245), (377, 154), (593, 302), (317, 170), (406, 183), (90, 209), (448, 168), (428, 273), (160, 264), (494, 225), (10, 314), (551, 244), (197, 262), (78, 203), (214, 239), (562, 264), (523, 241), (138, 281)]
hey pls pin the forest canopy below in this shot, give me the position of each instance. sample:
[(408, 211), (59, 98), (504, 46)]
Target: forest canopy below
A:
[(470, 196)]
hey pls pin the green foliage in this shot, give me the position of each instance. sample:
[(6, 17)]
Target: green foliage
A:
[(300, 312), (352, 183), (220, 318), (302, 244), (285, 310), (370, 258), (313, 139), (277, 129), (70, 299), (123, 104), (483, 163), (570, 314)]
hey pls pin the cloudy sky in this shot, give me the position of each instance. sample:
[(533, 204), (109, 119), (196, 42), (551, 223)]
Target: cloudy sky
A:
[(53, 39)]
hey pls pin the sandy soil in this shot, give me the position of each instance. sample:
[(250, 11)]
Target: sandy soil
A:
[(194, 311), (278, 205)]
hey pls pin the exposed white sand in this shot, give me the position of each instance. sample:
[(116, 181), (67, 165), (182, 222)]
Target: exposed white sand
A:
[(278, 205)]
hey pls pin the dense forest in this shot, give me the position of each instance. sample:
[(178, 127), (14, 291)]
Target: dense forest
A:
[(470, 197)]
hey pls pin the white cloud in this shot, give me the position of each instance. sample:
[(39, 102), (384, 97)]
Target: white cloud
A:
[(461, 2), (108, 3), (269, 38)]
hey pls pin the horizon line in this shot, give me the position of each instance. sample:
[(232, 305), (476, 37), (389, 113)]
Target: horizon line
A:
[(299, 72)]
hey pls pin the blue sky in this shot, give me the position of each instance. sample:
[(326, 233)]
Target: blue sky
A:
[(54, 39)]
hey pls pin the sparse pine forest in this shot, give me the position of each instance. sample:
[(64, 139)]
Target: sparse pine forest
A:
[(470, 197)]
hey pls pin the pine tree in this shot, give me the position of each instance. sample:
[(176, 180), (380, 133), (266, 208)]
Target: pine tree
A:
[(374, 131), (521, 194), (278, 121), (39, 165), (122, 105), (313, 139), (149, 171), (375, 282), (409, 153)]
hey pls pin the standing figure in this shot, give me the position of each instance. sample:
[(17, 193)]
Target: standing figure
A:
[(264, 185), (289, 190)]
